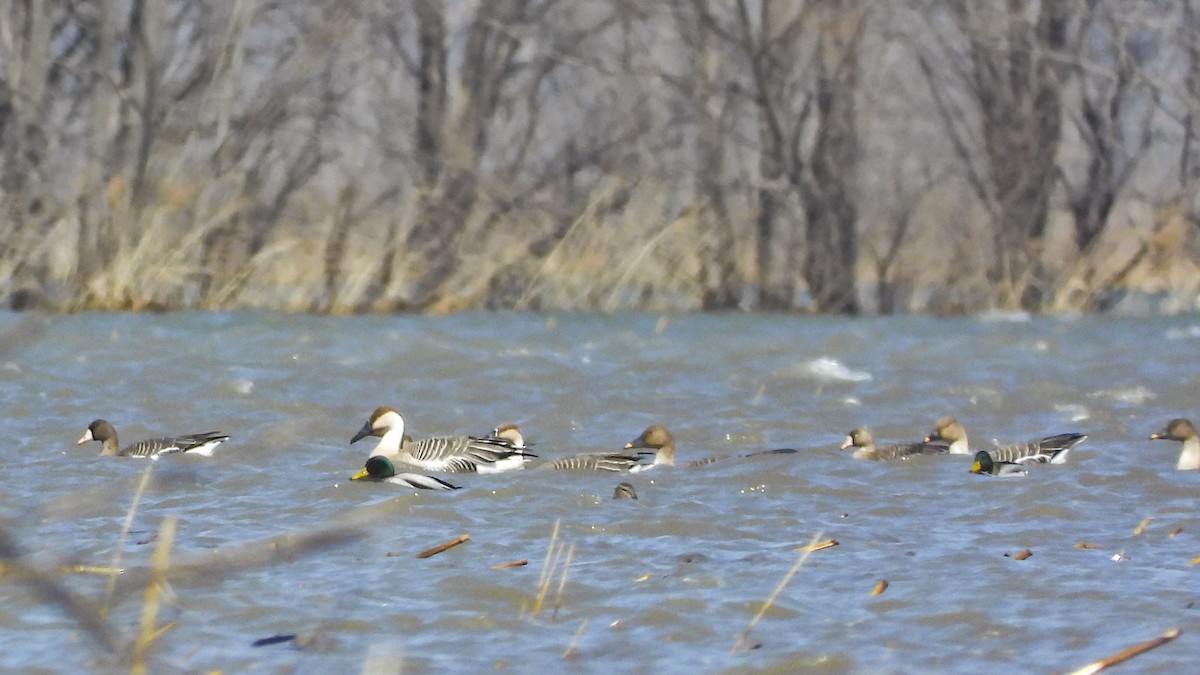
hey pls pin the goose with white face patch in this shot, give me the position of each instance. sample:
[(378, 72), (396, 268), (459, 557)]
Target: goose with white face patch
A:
[(1182, 430), (865, 448), (1052, 449), (450, 454), (193, 444), (656, 438)]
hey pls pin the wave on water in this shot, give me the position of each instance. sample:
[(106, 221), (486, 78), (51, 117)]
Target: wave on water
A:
[(997, 316), (832, 370), (1189, 333), (1128, 395), (1076, 412)]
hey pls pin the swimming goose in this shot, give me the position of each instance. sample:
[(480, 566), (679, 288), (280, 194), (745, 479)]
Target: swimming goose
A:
[(864, 447), (1180, 429), (657, 438), (452, 454), (511, 433), (599, 461), (624, 491), (1051, 449), (986, 466), (381, 469), (196, 444)]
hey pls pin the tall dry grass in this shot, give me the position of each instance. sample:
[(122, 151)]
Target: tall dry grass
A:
[(106, 616), (644, 256)]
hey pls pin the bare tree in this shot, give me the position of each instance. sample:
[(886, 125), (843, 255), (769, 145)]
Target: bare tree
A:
[(1014, 74)]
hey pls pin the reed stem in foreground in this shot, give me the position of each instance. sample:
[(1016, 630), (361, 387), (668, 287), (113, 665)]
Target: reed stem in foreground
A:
[(125, 527), (160, 563), (744, 636)]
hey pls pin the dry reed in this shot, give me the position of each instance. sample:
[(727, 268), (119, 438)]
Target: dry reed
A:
[(445, 546), (554, 554), (160, 563), (125, 526), (1120, 657)]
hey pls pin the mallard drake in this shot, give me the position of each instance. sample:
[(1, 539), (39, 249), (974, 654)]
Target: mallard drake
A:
[(196, 444), (656, 438), (985, 465), (1051, 449), (863, 442), (1180, 429), (451, 454), (381, 469)]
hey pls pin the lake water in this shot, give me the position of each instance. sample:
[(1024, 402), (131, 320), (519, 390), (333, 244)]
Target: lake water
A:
[(665, 583)]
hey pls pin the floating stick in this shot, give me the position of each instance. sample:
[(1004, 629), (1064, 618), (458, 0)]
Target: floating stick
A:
[(1097, 666), (444, 547), (817, 546), (515, 563)]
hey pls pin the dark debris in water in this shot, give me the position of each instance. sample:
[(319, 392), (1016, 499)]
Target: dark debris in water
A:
[(273, 640)]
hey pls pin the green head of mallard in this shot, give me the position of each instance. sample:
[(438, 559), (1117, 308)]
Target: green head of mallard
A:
[(377, 467)]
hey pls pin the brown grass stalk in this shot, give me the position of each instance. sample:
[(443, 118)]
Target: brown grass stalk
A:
[(1120, 657), (553, 551), (562, 581), (569, 652), (440, 548)]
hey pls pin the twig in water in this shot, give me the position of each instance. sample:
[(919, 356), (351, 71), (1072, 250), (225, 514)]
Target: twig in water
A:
[(515, 563), (744, 636), (880, 587), (818, 545), (444, 547), (1097, 666)]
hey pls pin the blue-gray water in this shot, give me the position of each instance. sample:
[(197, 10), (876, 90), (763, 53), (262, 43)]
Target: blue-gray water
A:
[(661, 584)]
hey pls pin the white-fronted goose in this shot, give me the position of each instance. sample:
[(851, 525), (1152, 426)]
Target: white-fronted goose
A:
[(451, 454), (656, 438), (864, 446), (986, 466), (1051, 449), (195, 444), (381, 469), (1180, 429)]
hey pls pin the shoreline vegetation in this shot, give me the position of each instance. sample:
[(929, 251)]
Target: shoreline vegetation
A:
[(833, 156)]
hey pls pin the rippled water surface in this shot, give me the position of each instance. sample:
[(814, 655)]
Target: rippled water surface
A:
[(662, 584)]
